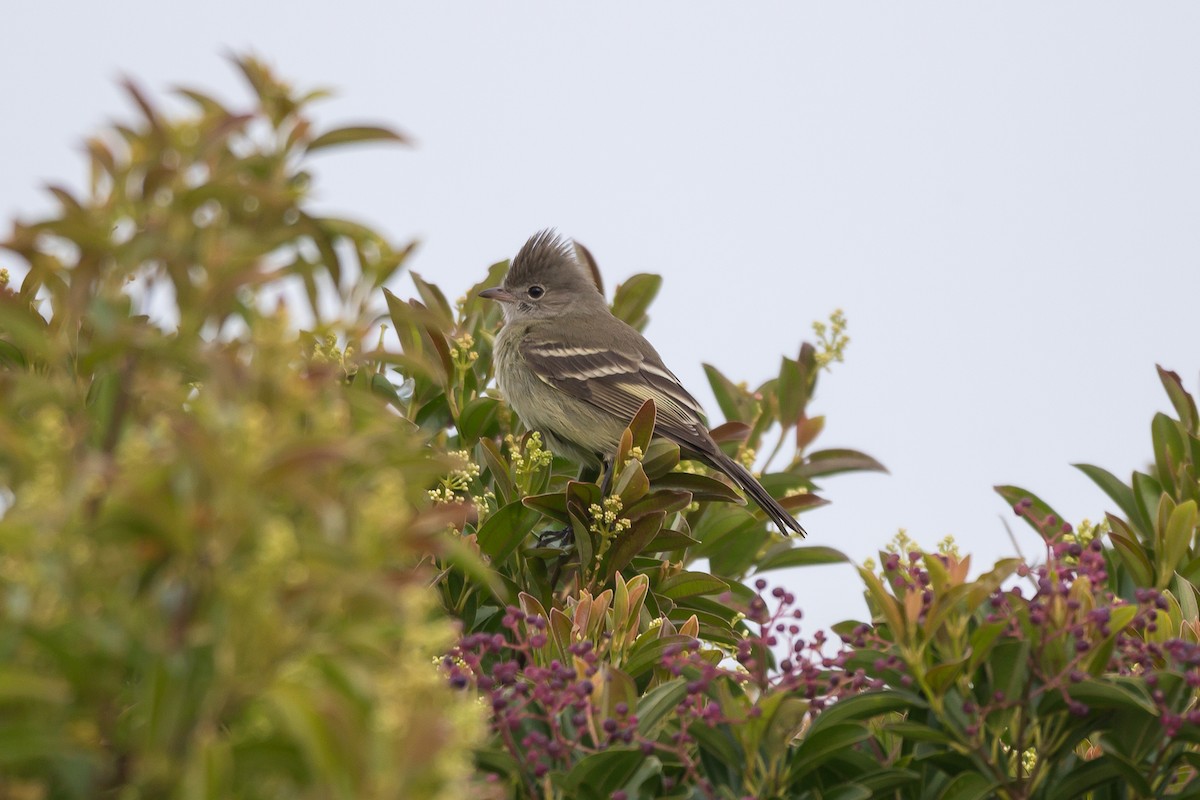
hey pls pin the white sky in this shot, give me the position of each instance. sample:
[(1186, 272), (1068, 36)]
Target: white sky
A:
[(1004, 198)]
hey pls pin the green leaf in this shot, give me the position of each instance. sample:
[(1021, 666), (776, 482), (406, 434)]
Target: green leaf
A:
[(479, 419), (632, 485), (503, 531), (1181, 529), (1121, 494), (666, 501), (631, 542), (737, 554), (806, 556), (867, 706), (917, 732), (656, 704), (1169, 449), (1185, 406), (1088, 776), (553, 505), (732, 399), (982, 640), (829, 462), (1146, 494), (648, 651), (689, 584), (943, 675), (1109, 693), (488, 452), (355, 134), (660, 458), (633, 297), (1035, 513), (1131, 552), (719, 526), (969, 786), (1009, 666), (793, 392), (434, 300), (669, 540), (821, 745), (701, 487), (883, 603), (602, 773), (785, 722)]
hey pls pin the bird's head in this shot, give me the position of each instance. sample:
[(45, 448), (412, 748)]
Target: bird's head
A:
[(550, 277)]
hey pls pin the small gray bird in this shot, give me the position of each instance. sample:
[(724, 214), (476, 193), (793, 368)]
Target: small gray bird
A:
[(573, 371)]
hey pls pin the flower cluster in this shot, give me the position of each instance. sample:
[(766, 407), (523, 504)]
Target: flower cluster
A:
[(529, 457), (462, 352), (456, 486), (549, 713), (1075, 625), (831, 339)]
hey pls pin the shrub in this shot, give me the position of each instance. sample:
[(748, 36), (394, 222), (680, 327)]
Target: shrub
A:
[(212, 532)]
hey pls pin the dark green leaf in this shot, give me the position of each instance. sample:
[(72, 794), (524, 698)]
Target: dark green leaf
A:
[(1089, 776), (1121, 494), (969, 786), (819, 746), (660, 458), (604, 772), (1036, 511), (867, 706), (687, 584), (553, 505), (479, 419), (737, 554), (647, 654), (491, 456), (660, 500), (1009, 667), (503, 531), (631, 542), (1132, 553), (661, 701), (802, 557), (670, 540), (701, 487)]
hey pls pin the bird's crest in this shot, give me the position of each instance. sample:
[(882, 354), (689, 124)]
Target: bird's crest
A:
[(545, 253)]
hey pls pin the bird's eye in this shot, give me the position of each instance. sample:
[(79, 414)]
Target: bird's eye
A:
[(536, 291)]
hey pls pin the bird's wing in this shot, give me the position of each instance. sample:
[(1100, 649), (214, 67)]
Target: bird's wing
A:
[(619, 380)]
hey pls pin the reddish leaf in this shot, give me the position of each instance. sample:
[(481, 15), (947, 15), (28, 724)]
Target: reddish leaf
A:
[(356, 134)]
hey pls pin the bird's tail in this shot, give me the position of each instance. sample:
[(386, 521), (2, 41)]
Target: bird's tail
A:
[(750, 485)]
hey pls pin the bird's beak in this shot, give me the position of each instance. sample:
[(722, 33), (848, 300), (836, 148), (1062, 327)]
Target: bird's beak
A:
[(498, 294)]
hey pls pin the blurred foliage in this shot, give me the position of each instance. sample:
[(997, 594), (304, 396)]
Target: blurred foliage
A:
[(211, 544)]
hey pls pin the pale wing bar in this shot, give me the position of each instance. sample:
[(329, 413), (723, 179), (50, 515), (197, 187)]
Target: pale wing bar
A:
[(618, 382)]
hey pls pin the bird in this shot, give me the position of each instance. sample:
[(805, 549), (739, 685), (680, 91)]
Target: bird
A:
[(573, 371)]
